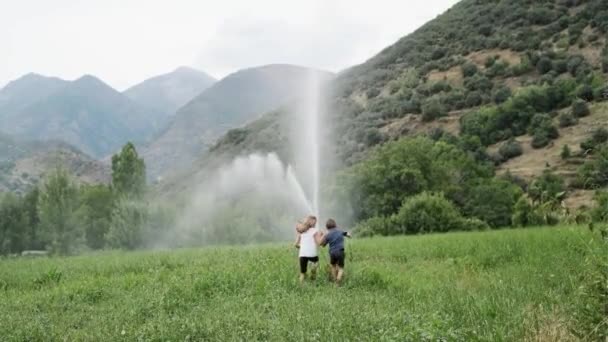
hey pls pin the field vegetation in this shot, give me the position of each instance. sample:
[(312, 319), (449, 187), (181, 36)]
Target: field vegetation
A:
[(535, 284)]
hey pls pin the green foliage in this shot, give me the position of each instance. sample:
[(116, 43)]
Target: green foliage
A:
[(548, 187), (459, 281), (544, 65), (432, 109), (58, 218), (518, 115), (128, 172), (542, 130), (599, 136), (96, 214), (492, 201), (129, 219), (427, 213), (378, 185), (566, 153), (469, 69), (501, 94), (599, 213), (510, 149), (594, 173)]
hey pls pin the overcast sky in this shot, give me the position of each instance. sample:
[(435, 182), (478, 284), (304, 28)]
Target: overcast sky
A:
[(126, 41)]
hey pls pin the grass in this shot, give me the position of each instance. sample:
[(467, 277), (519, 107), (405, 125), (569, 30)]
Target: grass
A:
[(490, 286)]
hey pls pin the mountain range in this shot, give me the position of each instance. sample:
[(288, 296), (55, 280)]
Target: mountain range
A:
[(229, 103)]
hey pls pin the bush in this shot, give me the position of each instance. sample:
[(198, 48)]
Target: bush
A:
[(566, 120), (598, 137), (427, 213), (510, 149), (585, 92), (580, 108), (432, 109), (544, 65), (542, 130), (492, 201), (501, 94), (473, 99), (594, 173), (468, 69), (565, 154), (524, 214), (547, 188), (600, 212)]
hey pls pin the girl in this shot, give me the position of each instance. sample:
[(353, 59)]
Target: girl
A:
[(308, 240)]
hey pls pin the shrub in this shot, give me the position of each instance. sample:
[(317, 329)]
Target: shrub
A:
[(594, 173), (542, 130), (598, 137), (524, 214), (544, 65), (473, 99), (510, 149), (501, 94), (565, 154), (567, 120), (547, 187), (468, 69), (432, 109), (585, 92), (599, 213), (427, 213), (580, 108), (492, 201)]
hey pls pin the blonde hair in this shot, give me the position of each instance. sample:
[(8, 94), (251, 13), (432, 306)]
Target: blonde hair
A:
[(310, 221)]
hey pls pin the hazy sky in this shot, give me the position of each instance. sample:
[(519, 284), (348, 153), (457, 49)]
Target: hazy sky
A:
[(126, 41)]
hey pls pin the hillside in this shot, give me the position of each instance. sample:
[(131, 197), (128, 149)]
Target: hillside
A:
[(231, 102), (85, 113), (168, 92), (482, 70), (24, 162)]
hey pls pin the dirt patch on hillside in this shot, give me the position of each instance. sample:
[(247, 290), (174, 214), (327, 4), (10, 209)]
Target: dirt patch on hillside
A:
[(533, 161), (479, 57), (453, 76), (411, 124)]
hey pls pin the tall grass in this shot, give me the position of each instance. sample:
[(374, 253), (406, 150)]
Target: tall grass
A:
[(534, 284)]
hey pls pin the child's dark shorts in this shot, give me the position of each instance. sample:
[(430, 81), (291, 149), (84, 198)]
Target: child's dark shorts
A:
[(337, 258), (304, 262)]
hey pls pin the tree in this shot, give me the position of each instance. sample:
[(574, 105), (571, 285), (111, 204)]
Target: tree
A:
[(95, 213), (58, 204), (566, 120), (492, 201), (128, 221), (128, 172), (12, 225), (427, 213), (580, 108)]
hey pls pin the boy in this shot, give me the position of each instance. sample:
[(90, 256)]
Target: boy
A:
[(335, 239)]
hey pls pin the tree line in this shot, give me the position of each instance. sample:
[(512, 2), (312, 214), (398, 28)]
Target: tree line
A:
[(64, 217)]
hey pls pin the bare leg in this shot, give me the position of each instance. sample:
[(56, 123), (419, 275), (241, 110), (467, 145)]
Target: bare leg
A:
[(334, 272), (302, 276), (339, 275), (313, 270)]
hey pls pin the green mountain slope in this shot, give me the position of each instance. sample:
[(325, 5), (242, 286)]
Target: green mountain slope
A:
[(167, 93), (85, 113), (229, 103), (468, 72)]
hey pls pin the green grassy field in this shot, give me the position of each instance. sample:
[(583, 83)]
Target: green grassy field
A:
[(535, 284)]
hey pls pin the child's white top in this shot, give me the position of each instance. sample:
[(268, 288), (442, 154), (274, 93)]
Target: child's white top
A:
[(308, 246)]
